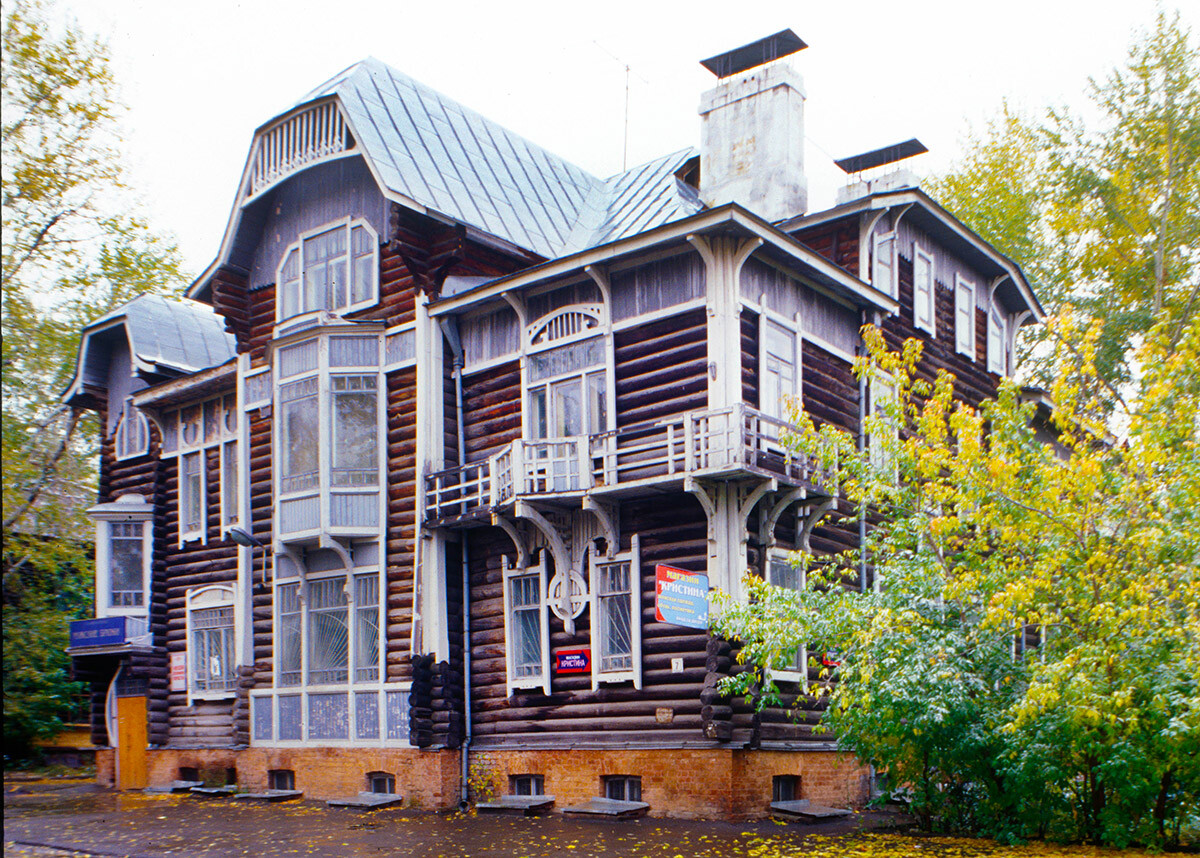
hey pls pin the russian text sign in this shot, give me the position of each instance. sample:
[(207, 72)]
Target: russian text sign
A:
[(102, 631), (680, 597), (179, 671), (572, 661)]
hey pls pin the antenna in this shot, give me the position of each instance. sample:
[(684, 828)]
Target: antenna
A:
[(628, 72)]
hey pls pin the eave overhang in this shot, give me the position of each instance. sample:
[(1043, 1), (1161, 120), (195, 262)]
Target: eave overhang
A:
[(727, 219), (934, 219), (182, 391)]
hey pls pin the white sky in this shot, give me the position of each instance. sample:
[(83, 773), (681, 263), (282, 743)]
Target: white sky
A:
[(198, 77)]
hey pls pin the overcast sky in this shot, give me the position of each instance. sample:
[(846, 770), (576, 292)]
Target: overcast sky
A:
[(199, 77)]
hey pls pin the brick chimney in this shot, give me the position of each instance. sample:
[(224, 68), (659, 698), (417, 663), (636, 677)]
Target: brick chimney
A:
[(752, 142)]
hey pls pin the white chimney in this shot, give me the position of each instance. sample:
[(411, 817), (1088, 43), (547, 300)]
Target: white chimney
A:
[(752, 142)]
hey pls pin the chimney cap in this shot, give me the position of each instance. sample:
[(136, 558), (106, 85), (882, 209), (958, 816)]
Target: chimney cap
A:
[(757, 53), (878, 157)]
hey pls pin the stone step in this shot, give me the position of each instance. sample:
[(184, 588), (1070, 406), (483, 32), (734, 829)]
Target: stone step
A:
[(368, 801), (610, 808), (214, 792), (173, 787), (517, 805), (802, 810), (271, 795)]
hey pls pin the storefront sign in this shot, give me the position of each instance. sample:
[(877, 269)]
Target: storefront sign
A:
[(573, 661), (680, 597), (102, 631), (179, 671)]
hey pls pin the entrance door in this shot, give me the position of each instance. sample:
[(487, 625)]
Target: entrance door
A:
[(131, 742)]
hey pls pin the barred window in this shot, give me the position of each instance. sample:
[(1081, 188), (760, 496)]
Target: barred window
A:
[(211, 650)]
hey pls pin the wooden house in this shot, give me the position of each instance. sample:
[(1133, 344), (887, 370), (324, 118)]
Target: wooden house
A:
[(385, 497)]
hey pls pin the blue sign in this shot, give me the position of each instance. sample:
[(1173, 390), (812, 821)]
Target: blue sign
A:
[(680, 597), (102, 631)]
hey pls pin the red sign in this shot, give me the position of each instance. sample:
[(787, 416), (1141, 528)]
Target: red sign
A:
[(573, 661)]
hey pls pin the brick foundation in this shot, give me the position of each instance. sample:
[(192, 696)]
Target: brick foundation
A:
[(682, 783)]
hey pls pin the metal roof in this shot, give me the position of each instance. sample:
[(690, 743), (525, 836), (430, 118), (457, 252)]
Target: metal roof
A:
[(425, 147), (756, 53), (879, 157), (165, 335)]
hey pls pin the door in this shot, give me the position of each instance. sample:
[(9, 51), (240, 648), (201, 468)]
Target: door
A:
[(131, 742)]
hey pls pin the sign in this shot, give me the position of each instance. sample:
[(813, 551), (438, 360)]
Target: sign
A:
[(179, 671), (573, 661), (680, 597), (102, 631)]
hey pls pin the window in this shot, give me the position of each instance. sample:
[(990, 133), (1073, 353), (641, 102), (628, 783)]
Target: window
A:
[(964, 316), (281, 779), (330, 635), (133, 432), (355, 431), (779, 379), (127, 553), (335, 269), (212, 658), (883, 263), (381, 782), (622, 787), (526, 785), (526, 631), (229, 484), (924, 291), (191, 496), (785, 787), (781, 572), (996, 340), (616, 604), (883, 395)]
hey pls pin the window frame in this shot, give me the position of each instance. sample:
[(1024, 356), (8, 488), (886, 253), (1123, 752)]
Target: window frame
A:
[(964, 308), (199, 533), (625, 781), (632, 557), (997, 359), (793, 673), (513, 682), (218, 424), (348, 224), (126, 509), (215, 596), (884, 267), (536, 783), (131, 416), (922, 259), (795, 327), (882, 387)]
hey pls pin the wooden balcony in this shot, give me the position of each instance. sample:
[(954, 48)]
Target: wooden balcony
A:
[(726, 443)]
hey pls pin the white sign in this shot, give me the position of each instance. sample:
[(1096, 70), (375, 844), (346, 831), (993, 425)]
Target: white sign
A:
[(179, 671)]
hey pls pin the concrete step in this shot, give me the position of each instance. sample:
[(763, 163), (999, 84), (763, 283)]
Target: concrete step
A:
[(368, 801), (517, 805), (213, 792), (802, 810), (173, 787), (609, 808), (271, 795)]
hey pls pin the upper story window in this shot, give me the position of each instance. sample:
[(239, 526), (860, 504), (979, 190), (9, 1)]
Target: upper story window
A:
[(997, 340), (124, 553), (924, 292), (567, 385), (964, 317), (133, 432), (335, 268), (188, 436), (779, 381), (883, 263)]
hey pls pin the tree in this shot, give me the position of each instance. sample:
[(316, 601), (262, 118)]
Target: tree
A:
[(1105, 215), (1028, 663), (73, 248)]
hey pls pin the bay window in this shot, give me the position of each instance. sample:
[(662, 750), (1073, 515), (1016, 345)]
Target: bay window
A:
[(335, 268), (127, 554), (124, 553)]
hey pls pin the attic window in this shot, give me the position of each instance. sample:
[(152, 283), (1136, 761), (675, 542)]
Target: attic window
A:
[(329, 269), (298, 141)]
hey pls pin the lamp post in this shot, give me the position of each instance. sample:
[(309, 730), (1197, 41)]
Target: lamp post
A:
[(248, 540)]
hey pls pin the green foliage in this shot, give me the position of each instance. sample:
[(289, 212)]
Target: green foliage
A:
[(72, 249), (1103, 214), (994, 537)]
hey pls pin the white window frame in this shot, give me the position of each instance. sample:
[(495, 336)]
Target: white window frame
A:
[(997, 340), (132, 437), (766, 318), (224, 430), (348, 224), (633, 673), (215, 596), (924, 291), (516, 683), (127, 509), (882, 388), (788, 674), (964, 316), (199, 533), (883, 262)]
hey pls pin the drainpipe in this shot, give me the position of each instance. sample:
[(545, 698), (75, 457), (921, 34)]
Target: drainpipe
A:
[(862, 511), (450, 330)]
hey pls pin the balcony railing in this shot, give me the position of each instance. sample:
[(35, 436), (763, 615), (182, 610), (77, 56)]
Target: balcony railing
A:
[(723, 442)]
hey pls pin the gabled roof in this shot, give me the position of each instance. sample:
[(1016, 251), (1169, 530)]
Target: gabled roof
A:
[(432, 154), (166, 336)]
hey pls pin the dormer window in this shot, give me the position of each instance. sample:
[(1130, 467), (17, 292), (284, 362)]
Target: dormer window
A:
[(335, 268), (133, 432)]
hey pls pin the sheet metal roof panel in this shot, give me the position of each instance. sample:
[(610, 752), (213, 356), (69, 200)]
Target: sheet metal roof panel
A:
[(181, 334)]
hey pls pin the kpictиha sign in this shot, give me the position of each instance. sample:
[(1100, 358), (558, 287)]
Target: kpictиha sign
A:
[(573, 661), (680, 597)]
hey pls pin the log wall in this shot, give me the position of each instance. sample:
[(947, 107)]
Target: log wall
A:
[(661, 368)]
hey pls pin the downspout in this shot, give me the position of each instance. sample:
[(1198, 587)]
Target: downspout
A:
[(450, 331), (862, 510)]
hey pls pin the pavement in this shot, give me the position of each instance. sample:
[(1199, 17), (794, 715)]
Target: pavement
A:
[(78, 818)]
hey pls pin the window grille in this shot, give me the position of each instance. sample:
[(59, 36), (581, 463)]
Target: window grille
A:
[(287, 657), (297, 359), (564, 323), (400, 347), (264, 722), (127, 575), (328, 631), (291, 726), (258, 389), (328, 716), (616, 642), (316, 133), (354, 351), (366, 631), (212, 649), (397, 714)]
